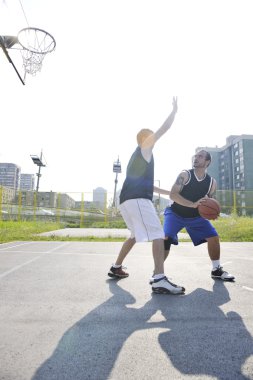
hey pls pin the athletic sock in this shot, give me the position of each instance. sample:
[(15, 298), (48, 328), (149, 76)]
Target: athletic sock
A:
[(116, 266), (216, 264), (158, 276)]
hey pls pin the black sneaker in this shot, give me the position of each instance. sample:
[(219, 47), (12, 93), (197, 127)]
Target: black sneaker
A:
[(164, 286), (222, 275), (117, 272)]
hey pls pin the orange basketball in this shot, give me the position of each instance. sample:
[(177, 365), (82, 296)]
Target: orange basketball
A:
[(209, 209)]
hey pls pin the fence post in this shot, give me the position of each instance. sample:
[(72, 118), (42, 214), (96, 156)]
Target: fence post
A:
[(58, 207), (34, 205), (105, 208), (1, 203), (19, 205), (82, 211), (234, 202)]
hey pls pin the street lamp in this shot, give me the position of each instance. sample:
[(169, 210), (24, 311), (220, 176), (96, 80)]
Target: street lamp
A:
[(117, 170), (38, 161)]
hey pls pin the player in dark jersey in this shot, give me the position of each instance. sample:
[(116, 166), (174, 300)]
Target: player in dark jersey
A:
[(190, 189), (138, 211)]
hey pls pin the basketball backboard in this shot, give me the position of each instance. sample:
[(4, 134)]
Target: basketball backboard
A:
[(24, 48)]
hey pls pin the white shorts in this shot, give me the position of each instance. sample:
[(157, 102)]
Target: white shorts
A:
[(141, 219)]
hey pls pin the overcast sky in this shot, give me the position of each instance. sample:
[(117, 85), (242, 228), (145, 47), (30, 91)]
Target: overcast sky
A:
[(116, 67)]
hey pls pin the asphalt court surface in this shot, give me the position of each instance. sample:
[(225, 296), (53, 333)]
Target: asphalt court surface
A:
[(61, 317)]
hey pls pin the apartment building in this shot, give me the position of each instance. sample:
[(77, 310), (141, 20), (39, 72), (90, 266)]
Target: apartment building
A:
[(10, 175), (27, 181), (233, 170), (100, 197)]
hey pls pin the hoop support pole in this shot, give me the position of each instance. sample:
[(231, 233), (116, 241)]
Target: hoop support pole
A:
[(10, 60)]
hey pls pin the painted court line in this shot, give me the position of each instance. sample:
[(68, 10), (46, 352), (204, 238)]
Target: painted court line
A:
[(41, 252), (247, 288), (16, 245), (14, 269), (17, 267), (58, 247), (226, 262)]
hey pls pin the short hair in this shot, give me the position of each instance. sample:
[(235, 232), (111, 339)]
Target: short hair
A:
[(208, 156), (142, 135)]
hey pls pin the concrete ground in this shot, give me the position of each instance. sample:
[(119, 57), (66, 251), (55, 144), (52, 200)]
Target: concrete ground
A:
[(62, 318)]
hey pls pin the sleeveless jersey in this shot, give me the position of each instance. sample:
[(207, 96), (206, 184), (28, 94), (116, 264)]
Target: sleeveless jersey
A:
[(139, 182), (193, 190)]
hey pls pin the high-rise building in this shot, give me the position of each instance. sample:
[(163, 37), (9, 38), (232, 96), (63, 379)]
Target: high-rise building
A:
[(100, 197), (232, 168), (27, 182), (10, 175)]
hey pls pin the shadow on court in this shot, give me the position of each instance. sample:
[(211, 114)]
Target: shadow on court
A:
[(201, 339)]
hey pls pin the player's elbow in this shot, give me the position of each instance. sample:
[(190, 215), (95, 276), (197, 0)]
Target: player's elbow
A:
[(173, 195)]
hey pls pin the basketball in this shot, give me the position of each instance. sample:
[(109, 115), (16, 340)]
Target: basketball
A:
[(209, 209)]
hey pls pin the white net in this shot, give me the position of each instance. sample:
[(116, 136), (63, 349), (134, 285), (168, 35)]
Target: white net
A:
[(32, 62), (36, 44)]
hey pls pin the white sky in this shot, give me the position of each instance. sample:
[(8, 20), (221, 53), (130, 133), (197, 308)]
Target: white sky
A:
[(116, 67)]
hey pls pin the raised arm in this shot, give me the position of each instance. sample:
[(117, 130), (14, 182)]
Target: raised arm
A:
[(168, 122), (152, 139)]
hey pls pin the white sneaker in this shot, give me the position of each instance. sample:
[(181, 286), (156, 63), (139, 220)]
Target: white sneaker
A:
[(164, 286), (222, 275)]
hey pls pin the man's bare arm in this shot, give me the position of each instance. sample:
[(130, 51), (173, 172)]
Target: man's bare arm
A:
[(150, 141), (168, 122), (213, 189), (177, 188), (161, 191)]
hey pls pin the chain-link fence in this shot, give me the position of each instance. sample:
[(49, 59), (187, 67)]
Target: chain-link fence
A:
[(87, 209)]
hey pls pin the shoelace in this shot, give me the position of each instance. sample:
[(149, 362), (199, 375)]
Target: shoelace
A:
[(166, 279), (171, 283), (219, 269)]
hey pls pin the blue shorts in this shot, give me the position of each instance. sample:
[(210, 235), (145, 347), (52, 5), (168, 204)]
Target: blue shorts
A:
[(198, 228)]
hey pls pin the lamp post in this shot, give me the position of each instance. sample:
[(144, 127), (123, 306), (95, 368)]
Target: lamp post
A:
[(38, 161), (117, 170)]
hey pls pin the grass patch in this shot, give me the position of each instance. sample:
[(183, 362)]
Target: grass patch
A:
[(28, 231), (13, 231), (232, 229)]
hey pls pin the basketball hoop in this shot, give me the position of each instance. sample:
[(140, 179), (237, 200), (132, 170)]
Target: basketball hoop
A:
[(36, 43)]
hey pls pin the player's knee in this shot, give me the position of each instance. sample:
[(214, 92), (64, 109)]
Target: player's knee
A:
[(167, 244)]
